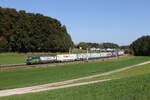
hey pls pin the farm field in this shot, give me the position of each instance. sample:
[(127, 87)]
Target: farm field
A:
[(131, 88), (34, 76)]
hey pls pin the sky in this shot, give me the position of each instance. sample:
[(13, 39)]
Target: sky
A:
[(118, 21)]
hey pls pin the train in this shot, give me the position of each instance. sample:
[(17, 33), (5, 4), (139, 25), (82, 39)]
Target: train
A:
[(70, 57)]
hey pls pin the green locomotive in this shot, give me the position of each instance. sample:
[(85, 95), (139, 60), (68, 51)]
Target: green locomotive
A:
[(40, 59), (33, 60)]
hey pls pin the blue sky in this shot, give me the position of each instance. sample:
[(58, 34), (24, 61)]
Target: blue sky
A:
[(118, 21)]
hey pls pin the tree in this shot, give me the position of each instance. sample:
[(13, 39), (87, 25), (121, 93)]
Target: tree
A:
[(141, 46), (27, 32), (125, 48), (110, 45), (83, 45)]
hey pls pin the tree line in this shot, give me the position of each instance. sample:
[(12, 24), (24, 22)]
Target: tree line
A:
[(28, 32), (86, 45), (139, 47)]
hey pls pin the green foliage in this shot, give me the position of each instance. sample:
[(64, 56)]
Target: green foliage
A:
[(141, 47), (28, 32), (13, 78)]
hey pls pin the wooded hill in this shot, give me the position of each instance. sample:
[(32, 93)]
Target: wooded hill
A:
[(29, 32)]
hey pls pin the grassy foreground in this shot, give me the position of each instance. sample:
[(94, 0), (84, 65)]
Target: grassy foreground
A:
[(36, 76), (139, 70), (133, 88)]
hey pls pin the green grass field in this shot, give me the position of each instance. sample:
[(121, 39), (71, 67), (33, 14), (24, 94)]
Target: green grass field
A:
[(35, 76), (140, 70), (17, 58), (20, 58), (132, 88), (144, 69)]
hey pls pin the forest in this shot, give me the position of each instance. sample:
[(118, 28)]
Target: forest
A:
[(32, 32), (141, 46)]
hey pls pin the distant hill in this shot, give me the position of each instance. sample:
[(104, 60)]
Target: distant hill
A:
[(86, 45), (29, 32)]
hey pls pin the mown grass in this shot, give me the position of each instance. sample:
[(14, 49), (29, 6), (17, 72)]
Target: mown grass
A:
[(144, 69), (132, 88), (17, 59), (140, 70), (35, 76)]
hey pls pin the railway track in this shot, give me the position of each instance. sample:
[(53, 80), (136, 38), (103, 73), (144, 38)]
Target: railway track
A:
[(52, 64), (36, 65)]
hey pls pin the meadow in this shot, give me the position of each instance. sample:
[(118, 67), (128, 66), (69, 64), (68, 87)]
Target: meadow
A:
[(20, 58), (140, 70), (14, 78), (131, 88), (135, 71), (17, 58)]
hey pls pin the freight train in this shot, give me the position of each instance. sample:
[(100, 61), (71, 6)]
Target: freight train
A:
[(70, 57)]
